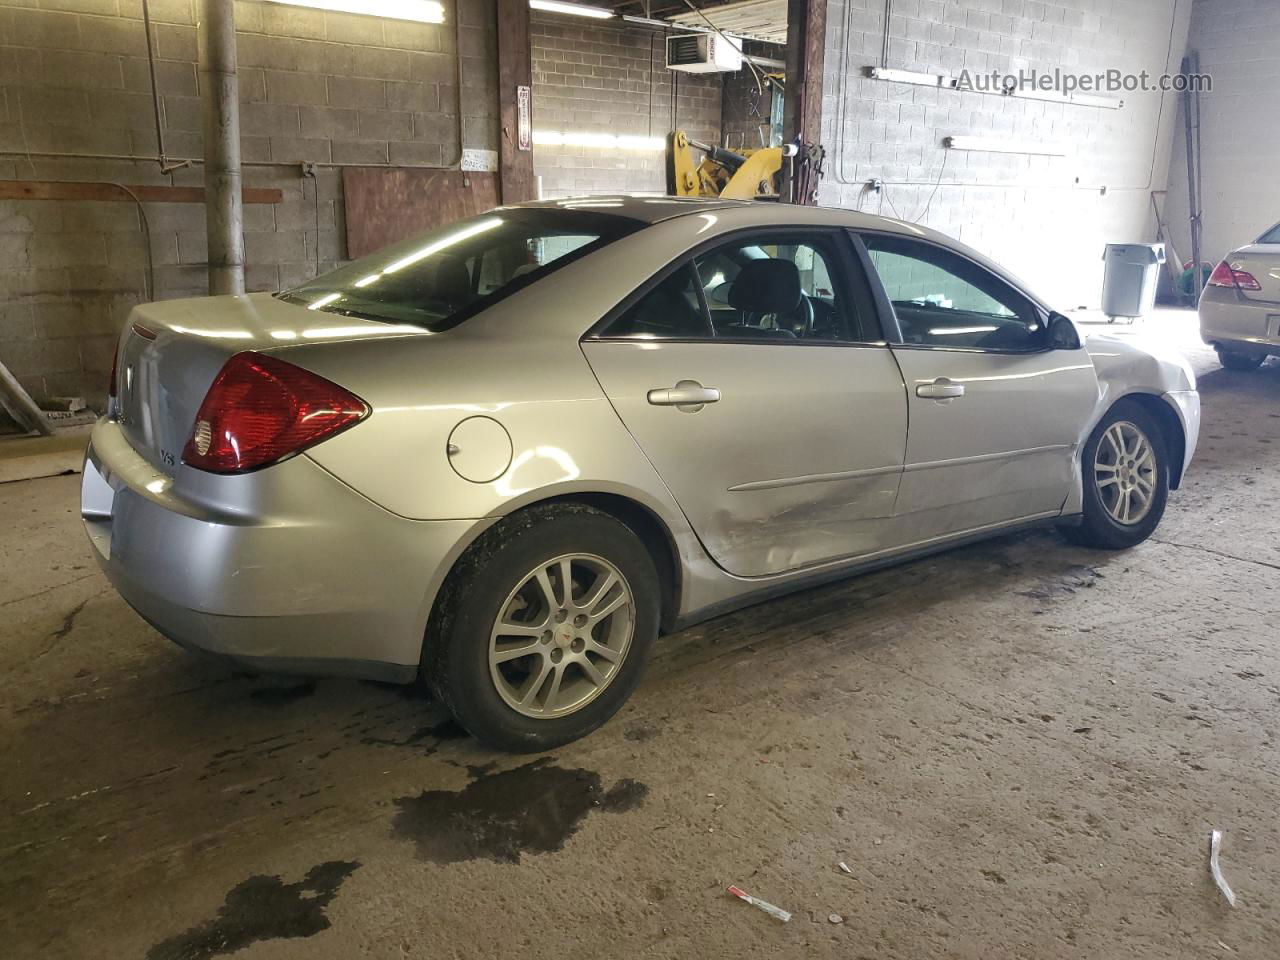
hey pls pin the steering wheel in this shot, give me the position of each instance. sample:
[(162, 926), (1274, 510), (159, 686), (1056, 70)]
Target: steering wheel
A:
[(798, 321)]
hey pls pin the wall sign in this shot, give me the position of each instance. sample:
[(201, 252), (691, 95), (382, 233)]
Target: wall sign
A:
[(524, 118)]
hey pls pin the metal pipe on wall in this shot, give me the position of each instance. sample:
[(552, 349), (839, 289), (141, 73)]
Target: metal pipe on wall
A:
[(224, 212)]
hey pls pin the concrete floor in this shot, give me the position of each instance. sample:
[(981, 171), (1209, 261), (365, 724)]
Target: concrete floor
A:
[(1018, 749)]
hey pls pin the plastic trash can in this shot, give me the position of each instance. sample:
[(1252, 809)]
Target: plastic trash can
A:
[(1129, 278)]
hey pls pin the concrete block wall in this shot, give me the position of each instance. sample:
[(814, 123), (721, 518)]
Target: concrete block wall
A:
[(611, 80), (1046, 218), (1238, 41), (743, 108), (319, 87)]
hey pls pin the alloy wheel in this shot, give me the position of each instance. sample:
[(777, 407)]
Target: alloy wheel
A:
[(1124, 470), (561, 635)]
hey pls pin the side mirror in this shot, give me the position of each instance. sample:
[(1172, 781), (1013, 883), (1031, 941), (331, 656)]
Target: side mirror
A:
[(1063, 334)]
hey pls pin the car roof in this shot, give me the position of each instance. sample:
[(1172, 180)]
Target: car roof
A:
[(644, 208), (651, 208)]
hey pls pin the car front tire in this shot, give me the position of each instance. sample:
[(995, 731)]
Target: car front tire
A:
[(525, 664), (1241, 362), (1125, 471)]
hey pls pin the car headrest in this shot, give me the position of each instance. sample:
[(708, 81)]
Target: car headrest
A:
[(766, 286)]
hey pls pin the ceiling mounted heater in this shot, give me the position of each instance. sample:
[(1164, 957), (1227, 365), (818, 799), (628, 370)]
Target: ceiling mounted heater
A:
[(703, 53)]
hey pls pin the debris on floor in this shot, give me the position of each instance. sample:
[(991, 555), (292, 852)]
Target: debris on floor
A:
[(764, 905), (1215, 845), (845, 867), (834, 918)]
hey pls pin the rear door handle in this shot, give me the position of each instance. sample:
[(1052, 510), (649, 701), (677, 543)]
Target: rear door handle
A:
[(688, 395), (940, 389)]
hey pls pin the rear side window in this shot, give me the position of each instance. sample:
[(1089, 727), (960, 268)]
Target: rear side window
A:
[(1271, 236), (438, 279), (779, 287), (670, 311)]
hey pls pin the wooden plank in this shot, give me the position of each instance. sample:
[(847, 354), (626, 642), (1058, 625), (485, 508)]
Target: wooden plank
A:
[(147, 193), (515, 71), (806, 49), (387, 204)]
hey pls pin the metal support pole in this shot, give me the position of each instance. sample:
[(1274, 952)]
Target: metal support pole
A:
[(219, 87), (1191, 117)]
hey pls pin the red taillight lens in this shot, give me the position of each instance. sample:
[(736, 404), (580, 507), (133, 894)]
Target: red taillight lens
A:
[(261, 410), (1224, 276)]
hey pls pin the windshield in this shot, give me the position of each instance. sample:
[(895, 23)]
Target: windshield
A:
[(438, 279)]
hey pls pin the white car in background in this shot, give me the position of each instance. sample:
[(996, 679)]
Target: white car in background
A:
[(1240, 305)]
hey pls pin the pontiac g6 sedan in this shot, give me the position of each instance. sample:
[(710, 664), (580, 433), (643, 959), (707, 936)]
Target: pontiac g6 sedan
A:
[(507, 454)]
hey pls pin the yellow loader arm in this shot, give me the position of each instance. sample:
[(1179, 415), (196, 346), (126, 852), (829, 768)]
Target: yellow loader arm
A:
[(719, 172)]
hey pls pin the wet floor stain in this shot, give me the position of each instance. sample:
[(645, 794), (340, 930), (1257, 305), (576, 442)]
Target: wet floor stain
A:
[(279, 696), (533, 808), (1073, 578), (438, 733), (262, 908)]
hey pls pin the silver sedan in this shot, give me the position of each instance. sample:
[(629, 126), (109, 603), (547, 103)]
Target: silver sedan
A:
[(1240, 305), (507, 454)]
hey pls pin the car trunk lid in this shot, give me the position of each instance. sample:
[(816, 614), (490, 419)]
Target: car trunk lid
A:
[(1262, 261), (169, 353)]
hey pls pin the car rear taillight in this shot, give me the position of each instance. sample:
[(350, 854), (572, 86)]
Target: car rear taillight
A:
[(261, 410), (1224, 275)]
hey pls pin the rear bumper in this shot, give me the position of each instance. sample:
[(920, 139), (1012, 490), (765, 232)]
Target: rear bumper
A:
[(1228, 318), (290, 570)]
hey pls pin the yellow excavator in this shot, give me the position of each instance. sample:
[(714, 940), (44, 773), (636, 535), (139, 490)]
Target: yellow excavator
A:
[(749, 175)]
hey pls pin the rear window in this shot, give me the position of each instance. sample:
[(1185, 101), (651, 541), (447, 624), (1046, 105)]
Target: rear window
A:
[(438, 279), (1271, 236)]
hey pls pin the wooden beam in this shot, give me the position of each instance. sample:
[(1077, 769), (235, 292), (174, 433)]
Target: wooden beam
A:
[(806, 49), (147, 193), (515, 102)]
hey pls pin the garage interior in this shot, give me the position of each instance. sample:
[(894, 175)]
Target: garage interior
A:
[(1014, 749)]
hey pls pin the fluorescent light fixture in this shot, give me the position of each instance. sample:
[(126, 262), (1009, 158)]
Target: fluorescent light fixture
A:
[(582, 138), (574, 9), (479, 227), (990, 145), (421, 11)]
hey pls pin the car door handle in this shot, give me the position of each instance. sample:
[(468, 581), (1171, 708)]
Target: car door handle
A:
[(685, 394), (940, 389)]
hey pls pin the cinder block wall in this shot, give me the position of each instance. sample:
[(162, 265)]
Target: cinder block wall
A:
[(316, 87), (743, 107), (1046, 218), (1239, 45), (611, 80)]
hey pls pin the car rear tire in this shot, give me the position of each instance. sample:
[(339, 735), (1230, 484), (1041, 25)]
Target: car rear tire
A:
[(1241, 362), (1125, 471), (524, 665)]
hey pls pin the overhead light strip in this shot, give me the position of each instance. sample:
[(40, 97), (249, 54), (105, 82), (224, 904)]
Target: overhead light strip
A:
[(947, 82), (419, 11), (583, 138), (573, 9)]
